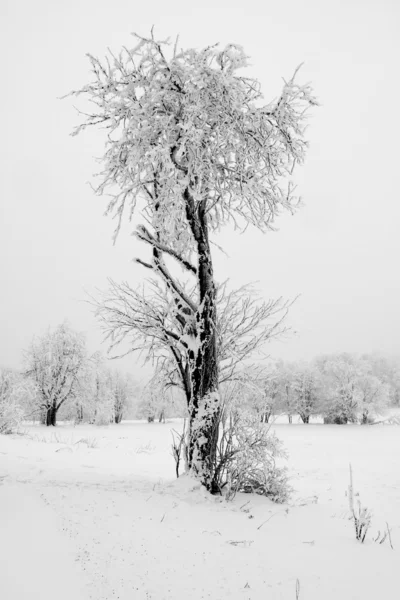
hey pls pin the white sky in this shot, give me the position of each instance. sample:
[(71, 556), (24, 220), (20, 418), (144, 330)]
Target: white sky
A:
[(340, 252)]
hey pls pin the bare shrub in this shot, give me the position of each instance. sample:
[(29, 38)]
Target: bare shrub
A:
[(361, 515), (179, 448), (385, 535), (246, 459)]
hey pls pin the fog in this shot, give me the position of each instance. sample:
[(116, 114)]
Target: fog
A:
[(339, 253)]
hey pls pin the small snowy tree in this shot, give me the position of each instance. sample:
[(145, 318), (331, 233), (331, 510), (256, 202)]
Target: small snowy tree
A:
[(98, 392), (17, 398), (374, 397), (54, 363), (263, 395), (307, 391), (189, 137), (286, 393), (122, 387), (342, 395)]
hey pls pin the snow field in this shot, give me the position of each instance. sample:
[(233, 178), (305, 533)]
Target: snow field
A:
[(95, 513)]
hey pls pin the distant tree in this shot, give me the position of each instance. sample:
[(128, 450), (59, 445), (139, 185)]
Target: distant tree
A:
[(100, 397), (307, 390), (374, 396), (353, 391), (17, 399), (161, 398), (189, 138), (286, 393), (264, 393), (122, 387), (342, 394), (387, 370), (54, 362)]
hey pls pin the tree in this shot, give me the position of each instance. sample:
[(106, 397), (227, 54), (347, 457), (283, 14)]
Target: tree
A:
[(264, 392), (306, 388), (342, 394), (387, 370), (189, 138), (374, 396), (161, 397), (286, 397), (17, 398), (99, 393), (54, 362), (122, 387)]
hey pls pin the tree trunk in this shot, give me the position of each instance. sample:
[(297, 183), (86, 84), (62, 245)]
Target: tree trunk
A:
[(205, 406), (79, 416), (305, 419), (290, 418), (118, 417), (161, 418), (51, 416)]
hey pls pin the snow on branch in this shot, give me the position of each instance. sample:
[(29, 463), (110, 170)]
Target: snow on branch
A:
[(190, 122)]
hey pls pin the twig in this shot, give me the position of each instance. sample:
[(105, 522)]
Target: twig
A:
[(297, 589), (390, 537), (259, 527)]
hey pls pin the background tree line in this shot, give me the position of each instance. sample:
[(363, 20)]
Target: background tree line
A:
[(342, 388), (60, 379)]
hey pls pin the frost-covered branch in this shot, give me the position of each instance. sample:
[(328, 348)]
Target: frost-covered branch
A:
[(192, 139)]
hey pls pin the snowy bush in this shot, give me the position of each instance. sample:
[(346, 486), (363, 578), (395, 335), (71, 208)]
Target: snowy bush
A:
[(246, 459), (11, 415), (15, 396)]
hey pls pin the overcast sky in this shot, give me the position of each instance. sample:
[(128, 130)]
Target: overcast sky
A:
[(340, 252)]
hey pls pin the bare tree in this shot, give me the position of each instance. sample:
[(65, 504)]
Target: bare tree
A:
[(190, 138), (122, 387), (306, 389), (54, 363), (342, 394)]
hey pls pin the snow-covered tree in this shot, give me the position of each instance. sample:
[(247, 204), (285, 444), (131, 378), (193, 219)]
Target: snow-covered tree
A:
[(286, 393), (342, 395), (122, 388), (264, 393), (374, 397), (374, 375), (190, 140), (97, 394), (54, 362), (161, 397), (17, 399), (387, 370), (307, 390)]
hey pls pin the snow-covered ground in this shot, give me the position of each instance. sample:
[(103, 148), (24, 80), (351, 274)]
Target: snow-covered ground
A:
[(93, 513)]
